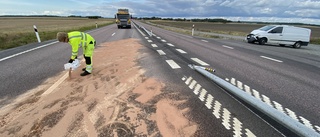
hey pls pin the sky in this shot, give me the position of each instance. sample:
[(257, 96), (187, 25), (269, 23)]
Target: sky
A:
[(300, 11)]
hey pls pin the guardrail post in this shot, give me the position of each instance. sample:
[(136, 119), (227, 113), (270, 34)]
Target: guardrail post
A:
[(192, 29)]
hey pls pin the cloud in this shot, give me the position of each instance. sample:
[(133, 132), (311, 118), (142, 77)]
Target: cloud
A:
[(173, 8)]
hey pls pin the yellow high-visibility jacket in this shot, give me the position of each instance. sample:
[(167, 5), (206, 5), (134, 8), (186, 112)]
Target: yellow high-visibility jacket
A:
[(81, 39)]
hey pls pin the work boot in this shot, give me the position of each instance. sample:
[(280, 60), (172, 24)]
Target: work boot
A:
[(85, 73), (84, 69)]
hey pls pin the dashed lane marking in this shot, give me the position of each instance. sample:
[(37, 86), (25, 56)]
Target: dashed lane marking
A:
[(271, 59), (170, 44), (226, 118), (196, 89), (204, 41), (149, 40), (163, 40), (146, 37), (154, 45), (158, 37), (238, 126), (200, 62), (203, 94), (161, 52), (113, 34), (181, 51), (173, 64), (227, 47), (209, 101)]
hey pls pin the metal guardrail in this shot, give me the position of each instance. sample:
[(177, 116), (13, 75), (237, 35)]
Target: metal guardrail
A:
[(283, 119)]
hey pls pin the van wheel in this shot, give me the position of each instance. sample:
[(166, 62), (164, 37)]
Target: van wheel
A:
[(262, 41), (297, 45)]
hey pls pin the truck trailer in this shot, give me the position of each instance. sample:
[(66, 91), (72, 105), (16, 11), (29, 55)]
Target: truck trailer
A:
[(123, 18)]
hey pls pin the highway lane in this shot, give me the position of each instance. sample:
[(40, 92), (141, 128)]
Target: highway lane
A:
[(216, 112), (283, 77), (25, 67)]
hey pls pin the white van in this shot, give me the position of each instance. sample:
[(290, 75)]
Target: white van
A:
[(280, 34)]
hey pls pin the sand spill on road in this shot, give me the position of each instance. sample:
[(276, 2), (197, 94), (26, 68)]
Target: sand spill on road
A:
[(116, 100)]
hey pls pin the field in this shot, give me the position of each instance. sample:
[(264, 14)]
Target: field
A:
[(238, 29), (17, 31)]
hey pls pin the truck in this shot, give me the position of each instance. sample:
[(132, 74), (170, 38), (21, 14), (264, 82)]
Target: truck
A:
[(123, 18), (281, 34)]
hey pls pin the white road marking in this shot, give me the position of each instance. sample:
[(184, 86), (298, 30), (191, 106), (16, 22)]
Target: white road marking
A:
[(184, 78), (233, 81), (193, 83), (226, 118), (266, 100), (318, 128), (202, 94), (154, 45), (292, 114), (240, 85), (196, 89), (163, 40), (227, 47), (247, 89), (188, 80), (181, 51), (209, 101), (158, 37), (170, 44), (173, 64), (306, 122), (139, 30), (216, 109), (237, 127), (249, 133), (149, 40), (278, 106), (146, 37), (14, 55), (256, 94), (113, 34), (200, 62), (161, 52), (271, 59), (229, 121), (204, 41)]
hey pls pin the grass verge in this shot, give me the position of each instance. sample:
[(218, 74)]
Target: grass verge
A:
[(181, 27), (12, 40)]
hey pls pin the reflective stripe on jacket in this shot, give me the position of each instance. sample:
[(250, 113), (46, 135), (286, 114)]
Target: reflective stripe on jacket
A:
[(78, 39)]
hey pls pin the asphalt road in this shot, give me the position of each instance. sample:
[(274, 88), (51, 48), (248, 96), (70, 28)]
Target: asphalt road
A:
[(289, 80), (283, 77)]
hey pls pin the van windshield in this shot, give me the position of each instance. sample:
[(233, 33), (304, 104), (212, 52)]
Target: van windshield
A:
[(266, 28)]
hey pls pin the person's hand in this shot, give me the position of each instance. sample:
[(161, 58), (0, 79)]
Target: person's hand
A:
[(71, 60)]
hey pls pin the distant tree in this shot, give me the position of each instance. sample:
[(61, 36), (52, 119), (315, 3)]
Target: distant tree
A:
[(94, 17)]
